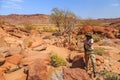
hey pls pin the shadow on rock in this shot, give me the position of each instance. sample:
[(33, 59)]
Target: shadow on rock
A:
[(78, 62)]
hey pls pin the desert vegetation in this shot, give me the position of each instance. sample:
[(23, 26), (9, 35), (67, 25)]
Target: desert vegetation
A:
[(57, 61)]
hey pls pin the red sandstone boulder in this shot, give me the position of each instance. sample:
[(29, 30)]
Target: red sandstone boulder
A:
[(98, 29), (86, 29), (38, 71), (75, 74), (11, 63)]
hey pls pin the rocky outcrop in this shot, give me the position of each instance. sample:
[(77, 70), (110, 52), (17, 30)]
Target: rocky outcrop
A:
[(104, 31)]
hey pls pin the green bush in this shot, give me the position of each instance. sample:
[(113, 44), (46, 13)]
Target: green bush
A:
[(57, 61), (99, 51), (96, 37), (107, 75)]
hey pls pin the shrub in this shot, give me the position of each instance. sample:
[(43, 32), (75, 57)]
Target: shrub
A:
[(99, 51), (57, 61), (29, 27), (107, 75), (49, 29), (96, 37)]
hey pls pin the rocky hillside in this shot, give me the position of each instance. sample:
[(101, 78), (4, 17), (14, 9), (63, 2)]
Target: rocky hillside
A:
[(26, 55), (29, 19)]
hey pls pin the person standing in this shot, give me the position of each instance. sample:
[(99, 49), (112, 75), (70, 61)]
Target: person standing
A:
[(89, 53)]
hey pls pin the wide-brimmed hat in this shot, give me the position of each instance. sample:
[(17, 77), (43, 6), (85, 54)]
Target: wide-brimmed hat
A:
[(88, 35)]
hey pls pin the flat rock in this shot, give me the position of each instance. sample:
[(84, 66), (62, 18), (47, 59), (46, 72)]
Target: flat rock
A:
[(36, 55), (14, 59), (40, 48), (17, 75)]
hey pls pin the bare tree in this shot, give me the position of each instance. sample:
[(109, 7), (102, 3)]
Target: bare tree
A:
[(64, 20)]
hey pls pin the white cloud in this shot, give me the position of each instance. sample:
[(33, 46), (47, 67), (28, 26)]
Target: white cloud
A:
[(17, 0), (115, 4), (11, 4), (12, 0)]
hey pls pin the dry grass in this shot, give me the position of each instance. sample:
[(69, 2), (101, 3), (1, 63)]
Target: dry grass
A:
[(40, 28)]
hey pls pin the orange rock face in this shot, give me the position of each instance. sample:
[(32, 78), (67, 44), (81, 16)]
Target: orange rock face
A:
[(75, 74)]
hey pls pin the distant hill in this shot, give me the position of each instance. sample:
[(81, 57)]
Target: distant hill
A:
[(108, 20), (111, 22), (38, 19), (30, 19)]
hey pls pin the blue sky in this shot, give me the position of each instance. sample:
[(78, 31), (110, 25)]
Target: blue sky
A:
[(82, 8)]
